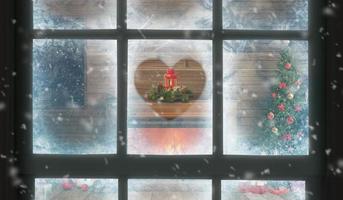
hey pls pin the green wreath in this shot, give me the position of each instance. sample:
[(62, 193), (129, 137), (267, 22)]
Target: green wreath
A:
[(177, 94)]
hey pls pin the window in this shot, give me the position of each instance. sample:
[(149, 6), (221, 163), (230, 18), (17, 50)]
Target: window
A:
[(100, 130)]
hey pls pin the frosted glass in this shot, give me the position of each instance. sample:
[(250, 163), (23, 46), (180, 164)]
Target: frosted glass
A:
[(169, 14), (266, 14), (74, 14), (157, 189), (74, 96), (266, 190), (254, 121), (76, 189), (160, 127)]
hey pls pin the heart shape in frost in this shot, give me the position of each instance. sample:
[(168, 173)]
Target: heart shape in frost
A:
[(189, 74)]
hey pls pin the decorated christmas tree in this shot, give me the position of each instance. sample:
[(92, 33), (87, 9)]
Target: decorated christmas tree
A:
[(284, 127)]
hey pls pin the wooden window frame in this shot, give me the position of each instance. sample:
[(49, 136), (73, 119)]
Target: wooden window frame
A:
[(122, 166)]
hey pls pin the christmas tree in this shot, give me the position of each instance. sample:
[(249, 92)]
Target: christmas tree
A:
[(285, 125)]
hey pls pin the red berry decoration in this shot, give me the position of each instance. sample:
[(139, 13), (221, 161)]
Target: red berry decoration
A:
[(281, 107), (288, 66), (67, 185), (84, 187), (274, 95), (287, 137), (283, 85), (290, 120)]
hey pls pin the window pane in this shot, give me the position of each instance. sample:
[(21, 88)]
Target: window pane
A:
[(76, 14), (74, 96), (175, 118), (76, 189), (264, 15), (169, 14), (271, 190), (265, 97), (157, 189)]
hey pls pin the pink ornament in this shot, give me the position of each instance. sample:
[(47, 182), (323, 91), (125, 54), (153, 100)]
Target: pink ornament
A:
[(288, 66), (282, 85), (287, 137), (290, 120), (281, 107), (300, 134), (84, 187), (297, 108), (67, 185), (274, 95), (270, 116)]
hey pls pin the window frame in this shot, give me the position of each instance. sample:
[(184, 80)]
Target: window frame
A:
[(123, 166)]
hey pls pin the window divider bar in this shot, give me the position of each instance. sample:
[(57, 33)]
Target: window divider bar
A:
[(217, 80), (121, 14), (169, 34), (122, 188), (211, 167), (216, 187), (122, 96), (264, 34), (122, 44), (75, 34)]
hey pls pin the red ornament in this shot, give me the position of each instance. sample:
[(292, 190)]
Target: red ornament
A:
[(282, 85), (254, 189), (287, 137), (170, 79), (279, 191), (270, 116), (274, 95), (288, 66), (290, 120), (84, 187), (281, 107), (67, 185)]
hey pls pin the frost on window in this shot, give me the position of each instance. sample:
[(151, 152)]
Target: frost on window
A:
[(169, 97), (265, 15), (76, 189), (271, 190), (74, 96), (169, 14), (265, 97), (157, 189), (71, 14)]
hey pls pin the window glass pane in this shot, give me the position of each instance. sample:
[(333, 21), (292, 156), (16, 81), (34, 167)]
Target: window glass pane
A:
[(75, 14), (169, 97), (169, 14), (74, 96), (265, 97), (157, 189), (76, 189), (264, 190), (264, 15)]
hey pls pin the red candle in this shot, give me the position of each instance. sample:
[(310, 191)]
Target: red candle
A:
[(170, 78)]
